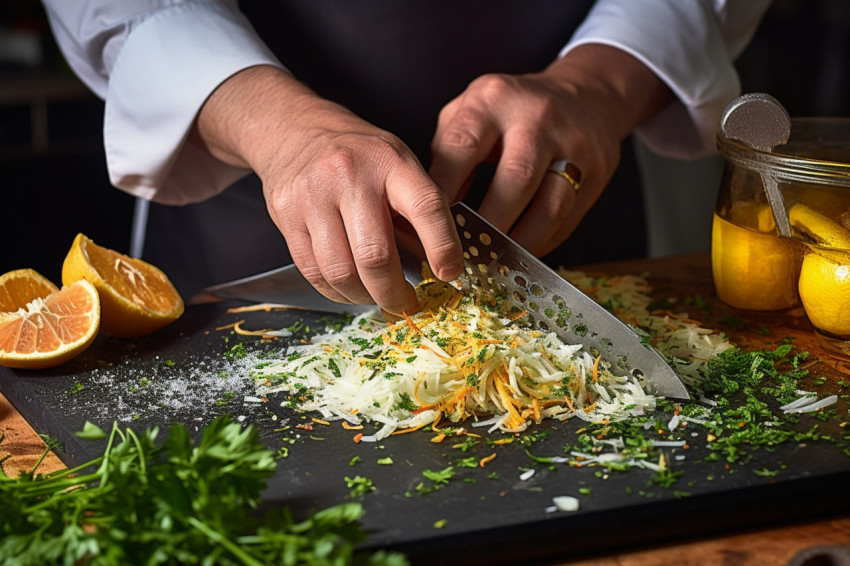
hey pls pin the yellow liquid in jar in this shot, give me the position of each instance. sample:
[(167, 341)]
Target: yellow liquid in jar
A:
[(753, 269)]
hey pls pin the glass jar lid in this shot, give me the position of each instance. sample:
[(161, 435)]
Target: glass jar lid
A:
[(818, 151)]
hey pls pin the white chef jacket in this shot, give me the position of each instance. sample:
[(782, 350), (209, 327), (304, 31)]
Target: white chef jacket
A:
[(136, 54)]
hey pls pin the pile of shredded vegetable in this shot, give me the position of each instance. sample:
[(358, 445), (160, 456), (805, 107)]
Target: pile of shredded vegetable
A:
[(470, 358), (464, 357), (685, 342)]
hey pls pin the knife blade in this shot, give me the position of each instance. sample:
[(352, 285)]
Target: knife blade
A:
[(556, 305), (553, 303), (284, 286)]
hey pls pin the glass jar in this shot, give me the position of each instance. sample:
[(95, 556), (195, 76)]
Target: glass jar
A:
[(756, 269)]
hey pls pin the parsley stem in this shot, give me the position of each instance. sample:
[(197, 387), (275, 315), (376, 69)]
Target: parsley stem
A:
[(232, 547), (39, 461), (49, 486)]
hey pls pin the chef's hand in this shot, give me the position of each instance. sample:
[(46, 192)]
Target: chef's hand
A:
[(579, 109), (333, 184)]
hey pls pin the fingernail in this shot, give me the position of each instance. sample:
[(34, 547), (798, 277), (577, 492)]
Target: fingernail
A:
[(450, 271)]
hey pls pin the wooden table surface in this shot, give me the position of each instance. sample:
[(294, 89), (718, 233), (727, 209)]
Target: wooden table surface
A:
[(683, 277)]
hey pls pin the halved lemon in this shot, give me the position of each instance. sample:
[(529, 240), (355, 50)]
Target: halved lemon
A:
[(21, 286), (136, 297), (50, 330), (820, 228)]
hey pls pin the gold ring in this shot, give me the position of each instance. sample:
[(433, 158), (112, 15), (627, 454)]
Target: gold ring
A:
[(568, 171)]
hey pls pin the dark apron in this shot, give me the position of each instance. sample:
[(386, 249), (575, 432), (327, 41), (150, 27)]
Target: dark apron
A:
[(395, 64)]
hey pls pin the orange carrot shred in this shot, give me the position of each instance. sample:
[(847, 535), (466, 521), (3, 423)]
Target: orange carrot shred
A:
[(412, 325), (406, 430), (231, 325), (487, 459), (518, 315)]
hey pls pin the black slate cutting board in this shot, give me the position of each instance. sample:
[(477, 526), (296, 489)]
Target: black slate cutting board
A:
[(485, 515)]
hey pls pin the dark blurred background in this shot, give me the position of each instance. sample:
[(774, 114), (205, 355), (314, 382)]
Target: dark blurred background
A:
[(53, 180)]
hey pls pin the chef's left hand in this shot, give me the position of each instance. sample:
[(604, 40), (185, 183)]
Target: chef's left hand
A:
[(579, 109)]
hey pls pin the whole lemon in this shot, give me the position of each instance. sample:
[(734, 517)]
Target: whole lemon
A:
[(825, 292)]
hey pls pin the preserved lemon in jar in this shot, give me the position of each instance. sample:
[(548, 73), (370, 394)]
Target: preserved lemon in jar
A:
[(753, 268), (752, 265)]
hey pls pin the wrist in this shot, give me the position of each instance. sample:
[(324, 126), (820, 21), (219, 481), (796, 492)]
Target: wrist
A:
[(625, 92), (242, 120)]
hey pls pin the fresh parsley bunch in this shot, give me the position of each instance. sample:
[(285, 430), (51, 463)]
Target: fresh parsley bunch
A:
[(170, 503)]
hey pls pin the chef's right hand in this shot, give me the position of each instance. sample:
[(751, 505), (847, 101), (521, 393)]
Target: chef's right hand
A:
[(333, 184)]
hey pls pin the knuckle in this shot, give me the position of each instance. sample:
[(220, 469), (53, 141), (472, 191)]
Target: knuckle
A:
[(298, 242), (561, 205), (313, 275), (519, 171), (286, 206), (391, 150), (583, 138), (493, 85), (373, 256), (446, 248), (339, 274), (463, 132), (341, 162), (546, 110), (427, 203)]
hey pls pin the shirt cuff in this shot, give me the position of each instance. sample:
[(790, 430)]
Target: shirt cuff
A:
[(164, 72), (681, 42)]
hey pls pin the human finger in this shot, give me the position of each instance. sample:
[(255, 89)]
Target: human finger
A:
[(520, 171), (369, 226), (300, 246), (550, 209), (584, 201), (415, 197), (465, 137), (341, 253)]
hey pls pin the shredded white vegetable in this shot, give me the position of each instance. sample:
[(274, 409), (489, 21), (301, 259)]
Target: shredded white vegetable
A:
[(462, 357), (526, 475), (688, 345), (813, 405), (566, 503), (467, 359)]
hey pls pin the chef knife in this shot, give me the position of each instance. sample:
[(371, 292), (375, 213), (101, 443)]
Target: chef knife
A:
[(552, 303), (282, 286)]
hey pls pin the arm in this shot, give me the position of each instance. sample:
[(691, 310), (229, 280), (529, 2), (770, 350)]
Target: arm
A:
[(333, 183), (154, 63), (331, 178), (662, 68), (691, 46), (568, 111)]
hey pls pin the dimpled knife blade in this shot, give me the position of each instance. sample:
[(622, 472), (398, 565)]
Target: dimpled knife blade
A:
[(555, 305)]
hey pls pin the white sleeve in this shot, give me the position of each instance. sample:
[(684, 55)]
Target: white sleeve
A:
[(155, 62), (691, 45)]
